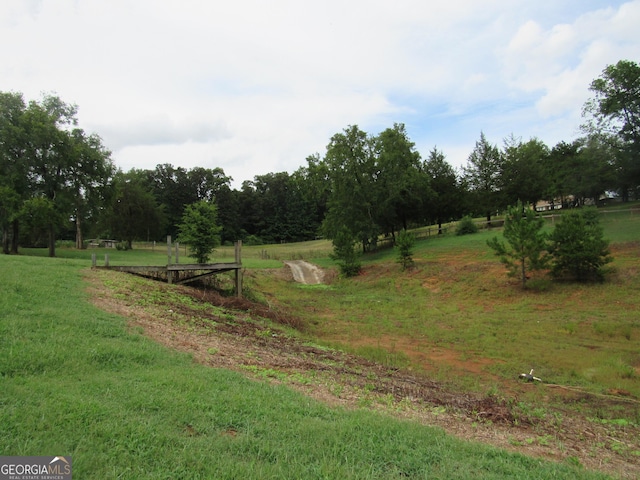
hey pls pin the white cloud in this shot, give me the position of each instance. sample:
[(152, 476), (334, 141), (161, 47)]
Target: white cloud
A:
[(560, 62), (160, 129), (254, 87)]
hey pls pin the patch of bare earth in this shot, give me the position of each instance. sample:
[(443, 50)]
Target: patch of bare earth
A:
[(244, 336)]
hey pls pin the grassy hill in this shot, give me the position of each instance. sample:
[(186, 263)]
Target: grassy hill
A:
[(77, 380)]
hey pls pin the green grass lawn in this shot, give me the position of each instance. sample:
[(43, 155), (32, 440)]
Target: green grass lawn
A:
[(77, 381)]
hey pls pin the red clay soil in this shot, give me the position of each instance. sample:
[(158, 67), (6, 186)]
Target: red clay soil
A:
[(244, 336)]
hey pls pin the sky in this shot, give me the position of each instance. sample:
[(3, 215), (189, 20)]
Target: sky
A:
[(256, 86)]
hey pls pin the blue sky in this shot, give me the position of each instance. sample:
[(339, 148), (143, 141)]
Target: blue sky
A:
[(255, 87)]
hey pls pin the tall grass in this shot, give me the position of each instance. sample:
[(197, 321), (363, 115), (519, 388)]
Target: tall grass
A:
[(77, 381)]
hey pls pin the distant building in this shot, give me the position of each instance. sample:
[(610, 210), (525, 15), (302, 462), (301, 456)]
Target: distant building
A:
[(547, 206)]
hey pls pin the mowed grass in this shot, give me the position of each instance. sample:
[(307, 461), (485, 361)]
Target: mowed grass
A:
[(459, 301), (77, 381)]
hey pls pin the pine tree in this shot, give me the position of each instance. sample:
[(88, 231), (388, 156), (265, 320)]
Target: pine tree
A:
[(578, 247), (525, 250)]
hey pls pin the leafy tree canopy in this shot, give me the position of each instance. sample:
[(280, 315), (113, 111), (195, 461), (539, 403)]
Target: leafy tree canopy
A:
[(614, 113), (199, 229), (524, 177), (616, 106), (447, 201), (482, 176)]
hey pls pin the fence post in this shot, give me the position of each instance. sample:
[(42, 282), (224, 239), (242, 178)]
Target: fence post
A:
[(238, 257), (93, 260), (177, 252), (106, 259), (168, 249)]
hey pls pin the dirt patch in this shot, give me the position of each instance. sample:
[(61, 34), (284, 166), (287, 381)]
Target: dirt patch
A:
[(428, 358), (244, 336)]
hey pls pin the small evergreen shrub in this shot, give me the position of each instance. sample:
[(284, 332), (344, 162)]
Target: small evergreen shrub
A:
[(253, 240), (466, 226), (578, 247), (404, 244), (345, 253)]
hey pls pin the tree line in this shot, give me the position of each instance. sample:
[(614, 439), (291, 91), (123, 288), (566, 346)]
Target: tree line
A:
[(58, 182)]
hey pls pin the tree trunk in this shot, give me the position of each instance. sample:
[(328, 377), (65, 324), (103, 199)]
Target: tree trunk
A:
[(79, 238), (52, 241), (15, 236), (5, 241), (625, 194)]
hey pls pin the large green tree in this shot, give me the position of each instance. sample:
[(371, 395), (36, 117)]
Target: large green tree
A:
[(39, 217), (172, 190), (90, 179), (377, 184), (625, 176), (285, 213), (482, 177), (13, 167), (401, 185), (207, 182), (447, 202), (44, 155), (523, 176), (250, 208), (614, 111), (581, 171), (134, 213), (352, 170), (176, 187), (9, 211), (561, 165), (229, 216), (312, 183), (596, 170), (199, 229), (616, 105)]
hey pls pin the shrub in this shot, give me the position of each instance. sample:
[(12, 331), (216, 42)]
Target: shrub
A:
[(122, 246), (578, 248), (253, 240), (344, 252), (404, 244), (466, 226)]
